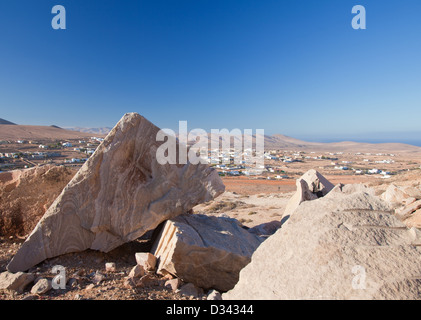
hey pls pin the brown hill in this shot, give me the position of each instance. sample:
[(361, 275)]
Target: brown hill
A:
[(16, 132)]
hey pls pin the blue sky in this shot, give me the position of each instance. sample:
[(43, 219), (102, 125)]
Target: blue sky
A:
[(293, 67)]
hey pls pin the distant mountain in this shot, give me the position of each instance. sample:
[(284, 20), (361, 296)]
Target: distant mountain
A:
[(12, 131), (2, 121), (26, 132), (279, 141), (282, 142), (98, 131)]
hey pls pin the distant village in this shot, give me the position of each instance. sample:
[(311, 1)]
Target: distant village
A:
[(277, 164), (26, 153)]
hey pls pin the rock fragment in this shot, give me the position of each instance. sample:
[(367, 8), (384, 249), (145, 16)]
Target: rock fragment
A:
[(310, 186), (146, 260), (41, 287), (15, 281)]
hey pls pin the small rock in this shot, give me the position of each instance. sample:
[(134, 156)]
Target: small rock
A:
[(130, 283), (15, 281), (42, 286), (90, 286), (168, 276), (146, 280), (406, 212), (173, 284), (110, 267), (137, 272), (214, 295), (191, 290), (98, 277), (146, 259), (74, 281), (408, 201), (78, 273)]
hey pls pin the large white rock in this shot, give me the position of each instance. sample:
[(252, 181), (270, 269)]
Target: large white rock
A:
[(204, 250), (341, 246), (120, 193)]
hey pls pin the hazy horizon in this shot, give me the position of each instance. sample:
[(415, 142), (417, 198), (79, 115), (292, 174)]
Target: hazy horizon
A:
[(411, 138)]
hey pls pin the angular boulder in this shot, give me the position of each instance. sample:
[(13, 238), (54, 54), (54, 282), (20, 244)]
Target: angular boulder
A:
[(120, 193), (394, 195), (342, 246), (310, 186), (22, 204), (204, 250), (15, 281)]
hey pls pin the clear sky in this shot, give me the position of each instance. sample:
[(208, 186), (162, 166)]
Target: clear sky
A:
[(293, 67)]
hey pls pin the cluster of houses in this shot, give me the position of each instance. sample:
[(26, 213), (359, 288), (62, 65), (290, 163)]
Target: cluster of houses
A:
[(10, 155), (75, 160), (29, 155), (48, 152)]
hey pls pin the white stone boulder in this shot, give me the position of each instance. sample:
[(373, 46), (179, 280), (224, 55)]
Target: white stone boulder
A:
[(204, 250), (346, 245), (119, 194)]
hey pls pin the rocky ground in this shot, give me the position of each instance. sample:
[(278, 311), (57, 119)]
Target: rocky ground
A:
[(250, 210), (88, 279)]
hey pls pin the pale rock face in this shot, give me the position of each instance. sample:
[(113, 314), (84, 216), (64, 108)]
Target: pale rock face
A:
[(310, 186), (15, 281), (204, 250), (317, 183), (146, 260), (42, 286), (406, 202), (394, 194), (137, 272), (346, 245), (120, 193)]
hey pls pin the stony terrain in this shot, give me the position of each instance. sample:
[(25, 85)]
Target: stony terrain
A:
[(251, 210), (296, 239)]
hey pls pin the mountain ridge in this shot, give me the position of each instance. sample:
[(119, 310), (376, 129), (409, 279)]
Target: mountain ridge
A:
[(272, 142)]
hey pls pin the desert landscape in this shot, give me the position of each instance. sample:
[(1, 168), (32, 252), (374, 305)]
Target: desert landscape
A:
[(203, 232)]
